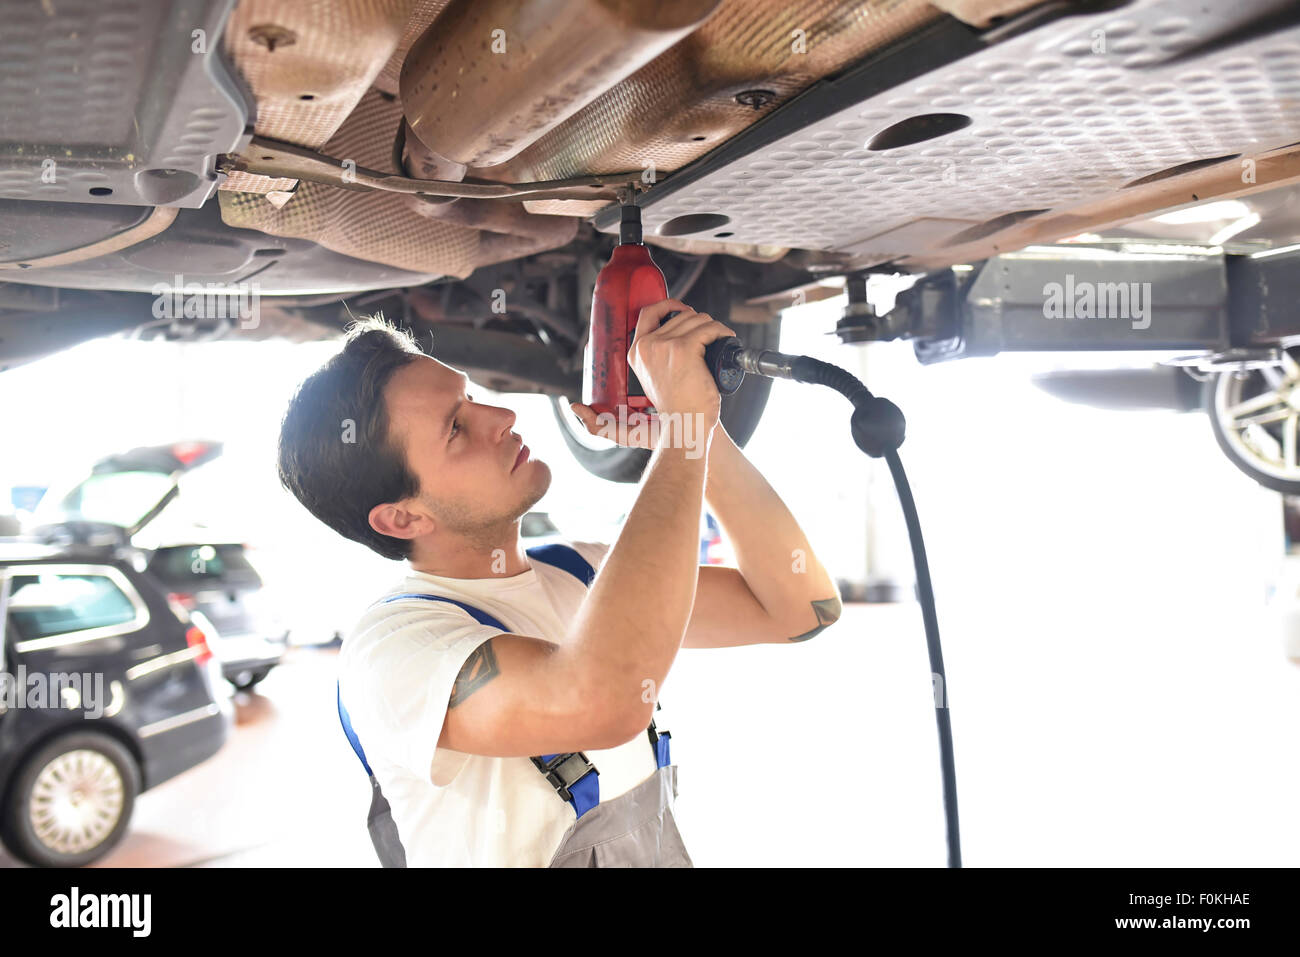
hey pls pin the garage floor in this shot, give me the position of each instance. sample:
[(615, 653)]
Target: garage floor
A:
[(285, 790), (1100, 742)]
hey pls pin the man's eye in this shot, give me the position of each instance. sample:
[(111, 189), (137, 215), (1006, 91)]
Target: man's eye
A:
[(455, 427)]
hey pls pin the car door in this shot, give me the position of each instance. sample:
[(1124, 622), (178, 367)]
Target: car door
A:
[(91, 620)]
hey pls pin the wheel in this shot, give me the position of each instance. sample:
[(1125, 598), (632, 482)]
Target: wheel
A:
[(1255, 416), (71, 800), (739, 412), (247, 680)]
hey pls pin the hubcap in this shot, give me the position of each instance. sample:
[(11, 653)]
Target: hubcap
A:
[(1259, 412), (76, 801)]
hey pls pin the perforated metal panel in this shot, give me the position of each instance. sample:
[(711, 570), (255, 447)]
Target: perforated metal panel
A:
[(115, 101), (1068, 112)]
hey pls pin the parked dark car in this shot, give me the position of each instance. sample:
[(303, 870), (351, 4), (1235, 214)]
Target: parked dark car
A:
[(200, 573), (218, 582), (108, 692)]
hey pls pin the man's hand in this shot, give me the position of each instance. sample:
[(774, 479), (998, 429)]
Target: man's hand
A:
[(668, 359), (628, 438)]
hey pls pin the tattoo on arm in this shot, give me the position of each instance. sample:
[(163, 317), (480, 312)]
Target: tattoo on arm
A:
[(828, 612), (479, 668)]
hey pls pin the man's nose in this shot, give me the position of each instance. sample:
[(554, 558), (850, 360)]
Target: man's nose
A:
[(507, 421)]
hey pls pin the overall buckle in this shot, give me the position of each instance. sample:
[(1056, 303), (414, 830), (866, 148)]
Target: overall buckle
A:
[(655, 733), (564, 771)]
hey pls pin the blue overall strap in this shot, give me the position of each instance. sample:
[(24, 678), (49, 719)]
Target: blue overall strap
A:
[(347, 729), (346, 721), (482, 617), (479, 616), (567, 558), (659, 741), (574, 778)]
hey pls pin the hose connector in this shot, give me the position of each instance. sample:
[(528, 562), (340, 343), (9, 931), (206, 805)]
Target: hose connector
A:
[(878, 425)]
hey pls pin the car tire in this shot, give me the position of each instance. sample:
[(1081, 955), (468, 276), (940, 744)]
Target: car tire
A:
[(247, 681), (1252, 454), (739, 414), (33, 838)]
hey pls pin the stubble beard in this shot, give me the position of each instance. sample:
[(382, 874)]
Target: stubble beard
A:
[(484, 531)]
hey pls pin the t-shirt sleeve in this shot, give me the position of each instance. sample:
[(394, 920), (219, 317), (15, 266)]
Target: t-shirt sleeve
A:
[(398, 689)]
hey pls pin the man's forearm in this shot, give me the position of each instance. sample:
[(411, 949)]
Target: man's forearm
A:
[(772, 551), (628, 630)]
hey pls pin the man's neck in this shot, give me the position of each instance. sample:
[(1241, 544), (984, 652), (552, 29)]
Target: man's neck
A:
[(499, 557)]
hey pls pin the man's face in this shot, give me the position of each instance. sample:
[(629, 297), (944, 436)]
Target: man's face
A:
[(462, 452)]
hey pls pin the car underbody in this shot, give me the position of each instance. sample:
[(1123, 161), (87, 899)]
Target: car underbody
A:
[(456, 166)]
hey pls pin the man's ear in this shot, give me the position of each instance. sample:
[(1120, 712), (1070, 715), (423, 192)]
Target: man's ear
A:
[(399, 521)]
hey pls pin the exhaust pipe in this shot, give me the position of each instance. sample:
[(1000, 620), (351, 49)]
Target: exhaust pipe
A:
[(490, 77)]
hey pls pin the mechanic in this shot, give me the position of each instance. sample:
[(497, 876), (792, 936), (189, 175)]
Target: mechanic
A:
[(385, 445)]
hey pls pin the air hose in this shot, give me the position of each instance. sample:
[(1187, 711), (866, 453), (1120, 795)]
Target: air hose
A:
[(878, 428), (631, 281)]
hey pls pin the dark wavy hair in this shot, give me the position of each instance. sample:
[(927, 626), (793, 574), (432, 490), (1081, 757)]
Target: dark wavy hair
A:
[(335, 453)]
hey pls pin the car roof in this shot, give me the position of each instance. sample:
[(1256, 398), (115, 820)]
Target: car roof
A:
[(25, 553)]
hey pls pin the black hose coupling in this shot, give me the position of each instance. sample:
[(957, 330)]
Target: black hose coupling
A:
[(878, 425)]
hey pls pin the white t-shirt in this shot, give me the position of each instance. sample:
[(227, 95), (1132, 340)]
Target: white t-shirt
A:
[(396, 671)]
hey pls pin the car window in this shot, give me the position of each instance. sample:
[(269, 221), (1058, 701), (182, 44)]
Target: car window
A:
[(118, 498), (45, 604), (191, 566)]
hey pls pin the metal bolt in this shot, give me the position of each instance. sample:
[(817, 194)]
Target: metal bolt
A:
[(271, 36), (757, 99)]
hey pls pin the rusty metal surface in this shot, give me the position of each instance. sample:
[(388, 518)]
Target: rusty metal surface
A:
[(491, 76), (666, 113), (309, 76), (308, 64), (378, 227), (683, 103), (255, 183), (495, 217), (422, 14), (276, 160)]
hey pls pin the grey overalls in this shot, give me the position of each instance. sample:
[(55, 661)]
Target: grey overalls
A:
[(635, 829)]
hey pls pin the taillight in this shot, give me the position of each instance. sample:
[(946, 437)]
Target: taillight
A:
[(187, 452), (181, 605), (195, 638)]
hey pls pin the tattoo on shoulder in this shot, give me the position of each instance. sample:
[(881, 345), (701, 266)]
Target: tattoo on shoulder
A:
[(828, 612), (479, 668)]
